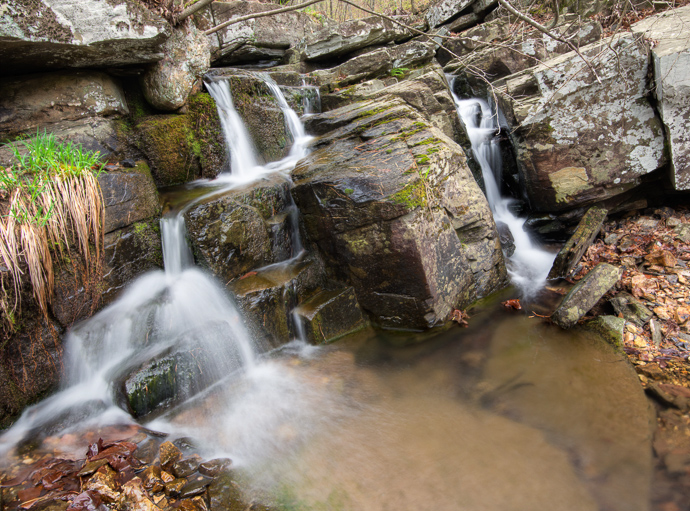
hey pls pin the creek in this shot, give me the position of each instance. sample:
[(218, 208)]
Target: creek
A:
[(508, 414)]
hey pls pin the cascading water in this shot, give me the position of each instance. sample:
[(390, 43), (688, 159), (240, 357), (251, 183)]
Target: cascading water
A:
[(529, 265)]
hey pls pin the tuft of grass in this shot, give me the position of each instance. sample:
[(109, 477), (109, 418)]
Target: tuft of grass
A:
[(49, 198)]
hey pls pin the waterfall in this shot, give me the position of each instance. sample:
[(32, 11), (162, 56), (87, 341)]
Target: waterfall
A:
[(529, 265)]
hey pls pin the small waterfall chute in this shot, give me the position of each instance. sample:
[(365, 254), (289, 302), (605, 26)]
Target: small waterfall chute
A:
[(529, 265)]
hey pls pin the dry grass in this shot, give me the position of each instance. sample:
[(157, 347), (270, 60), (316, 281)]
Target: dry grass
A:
[(52, 201)]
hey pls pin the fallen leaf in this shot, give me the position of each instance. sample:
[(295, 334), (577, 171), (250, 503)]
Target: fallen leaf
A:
[(512, 304), (248, 274)]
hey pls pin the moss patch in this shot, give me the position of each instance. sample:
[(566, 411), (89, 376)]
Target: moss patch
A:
[(413, 195)]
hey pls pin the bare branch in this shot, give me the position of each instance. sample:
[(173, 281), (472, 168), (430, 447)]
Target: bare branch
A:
[(191, 10), (546, 31), (260, 15)]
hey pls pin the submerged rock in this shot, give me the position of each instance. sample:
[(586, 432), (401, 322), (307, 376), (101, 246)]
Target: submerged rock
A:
[(581, 138), (667, 37), (585, 294), (55, 34), (395, 212)]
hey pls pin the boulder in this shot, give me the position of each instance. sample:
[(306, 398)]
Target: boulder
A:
[(581, 138), (446, 10), (168, 83), (28, 103), (395, 212), (631, 309), (669, 42), (243, 229), (585, 294), (183, 147), (330, 315), (350, 36), (37, 35), (257, 39), (129, 195), (611, 329), (588, 229)]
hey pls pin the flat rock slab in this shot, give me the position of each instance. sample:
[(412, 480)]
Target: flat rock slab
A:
[(585, 294), (588, 229), (41, 35), (578, 140), (669, 41), (330, 315)]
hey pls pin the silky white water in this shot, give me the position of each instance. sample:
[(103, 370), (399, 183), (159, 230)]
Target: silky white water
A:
[(529, 265)]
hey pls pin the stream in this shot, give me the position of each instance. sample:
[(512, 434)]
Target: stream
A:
[(508, 414)]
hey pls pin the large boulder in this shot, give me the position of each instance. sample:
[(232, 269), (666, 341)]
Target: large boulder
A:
[(41, 100), (168, 83), (265, 38), (580, 138), (352, 35), (447, 10), (395, 212), (669, 42), (38, 35)]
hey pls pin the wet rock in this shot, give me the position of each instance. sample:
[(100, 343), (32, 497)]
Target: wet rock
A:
[(330, 315), (87, 501), (611, 328), (671, 395), (253, 40), (565, 123), (225, 494), (136, 498), (103, 483), (168, 83), (61, 34), (128, 196), (91, 467), (571, 253), (151, 479), (350, 36), (631, 309), (669, 43), (174, 487), (233, 234), (506, 238), (195, 486), (169, 454), (385, 190), (128, 253), (186, 467), (30, 364), (268, 297), (30, 102), (214, 467), (585, 294)]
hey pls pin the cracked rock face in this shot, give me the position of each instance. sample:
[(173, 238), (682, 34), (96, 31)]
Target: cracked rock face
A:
[(669, 41), (38, 35), (581, 138)]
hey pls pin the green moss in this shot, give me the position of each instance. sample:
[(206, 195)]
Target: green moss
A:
[(413, 195), (349, 191), (422, 159), (375, 111)]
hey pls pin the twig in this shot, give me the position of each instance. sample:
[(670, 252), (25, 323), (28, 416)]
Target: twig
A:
[(260, 15)]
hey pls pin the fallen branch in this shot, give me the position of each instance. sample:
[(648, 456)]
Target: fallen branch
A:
[(191, 10), (259, 15)]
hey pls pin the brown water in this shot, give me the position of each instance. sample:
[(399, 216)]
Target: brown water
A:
[(510, 414)]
